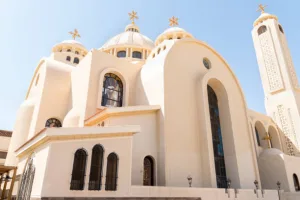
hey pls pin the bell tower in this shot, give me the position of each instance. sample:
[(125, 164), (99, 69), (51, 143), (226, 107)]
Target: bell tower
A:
[(279, 80)]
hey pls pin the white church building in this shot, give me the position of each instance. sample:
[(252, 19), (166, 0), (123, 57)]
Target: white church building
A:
[(137, 119)]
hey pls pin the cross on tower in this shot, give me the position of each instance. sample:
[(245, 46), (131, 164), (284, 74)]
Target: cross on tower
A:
[(74, 34), (173, 21), (261, 8), (133, 16), (268, 138)]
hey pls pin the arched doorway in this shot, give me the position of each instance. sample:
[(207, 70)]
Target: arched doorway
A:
[(219, 159), (27, 181), (296, 183), (148, 175)]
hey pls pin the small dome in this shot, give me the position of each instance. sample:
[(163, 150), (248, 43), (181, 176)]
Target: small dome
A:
[(173, 33), (74, 43), (131, 37), (69, 44), (270, 152), (264, 16)]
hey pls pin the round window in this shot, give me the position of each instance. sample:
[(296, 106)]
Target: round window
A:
[(206, 63)]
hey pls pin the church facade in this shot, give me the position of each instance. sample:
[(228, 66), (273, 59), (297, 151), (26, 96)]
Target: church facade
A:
[(111, 122)]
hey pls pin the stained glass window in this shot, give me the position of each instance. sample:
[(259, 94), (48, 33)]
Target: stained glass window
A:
[(96, 168), (111, 172), (137, 54), (112, 91), (257, 137), (217, 139), (78, 172), (148, 175), (121, 54), (52, 122)]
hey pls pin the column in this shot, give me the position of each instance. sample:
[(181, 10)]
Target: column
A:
[(4, 188), (12, 184)]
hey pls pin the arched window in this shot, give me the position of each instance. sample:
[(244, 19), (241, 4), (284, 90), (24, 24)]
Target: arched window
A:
[(69, 50), (112, 92), (78, 172), (121, 54), (206, 63), (217, 138), (296, 183), (96, 168), (257, 137), (53, 122), (76, 52), (148, 175), (111, 172), (158, 51), (280, 28), (261, 30), (68, 58), (76, 60), (26, 181), (136, 54)]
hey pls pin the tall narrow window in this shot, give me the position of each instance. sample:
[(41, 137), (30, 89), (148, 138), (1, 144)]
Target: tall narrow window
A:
[(217, 139), (257, 137), (137, 54), (121, 54), (261, 30), (53, 122), (26, 181), (271, 143), (111, 172), (76, 60), (148, 176), (280, 28), (78, 172), (96, 168), (112, 91), (296, 183)]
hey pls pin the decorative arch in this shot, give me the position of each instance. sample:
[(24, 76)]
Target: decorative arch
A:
[(96, 168), (296, 182), (34, 76), (78, 172), (27, 179), (148, 172), (53, 122), (260, 133), (274, 137), (111, 172), (124, 80), (261, 29)]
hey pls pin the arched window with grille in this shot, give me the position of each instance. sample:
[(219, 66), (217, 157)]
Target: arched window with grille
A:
[(111, 172), (78, 172), (136, 54), (257, 137), (76, 60), (53, 122), (296, 183), (148, 173), (96, 168), (112, 91), (121, 54), (26, 181), (261, 30)]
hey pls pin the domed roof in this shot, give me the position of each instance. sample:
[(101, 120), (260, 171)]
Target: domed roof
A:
[(270, 152), (131, 37), (264, 16), (174, 29), (72, 43), (170, 32)]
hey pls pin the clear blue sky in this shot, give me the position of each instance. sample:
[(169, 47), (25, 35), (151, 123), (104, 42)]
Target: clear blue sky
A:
[(30, 28)]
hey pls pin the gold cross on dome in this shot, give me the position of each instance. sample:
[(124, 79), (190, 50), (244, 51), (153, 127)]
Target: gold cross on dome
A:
[(74, 34), (173, 21), (261, 8), (268, 138), (133, 16)]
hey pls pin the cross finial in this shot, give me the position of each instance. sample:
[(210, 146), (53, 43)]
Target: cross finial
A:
[(173, 21), (74, 34), (268, 138), (133, 16), (261, 8)]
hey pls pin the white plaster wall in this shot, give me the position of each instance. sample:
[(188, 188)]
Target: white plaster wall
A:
[(4, 143), (60, 162), (144, 143)]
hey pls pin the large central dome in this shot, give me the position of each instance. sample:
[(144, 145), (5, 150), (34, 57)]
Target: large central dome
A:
[(131, 37)]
